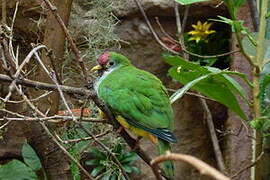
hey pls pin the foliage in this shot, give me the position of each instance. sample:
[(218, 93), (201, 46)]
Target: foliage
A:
[(17, 170), (107, 169), (79, 149), (210, 81), (30, 157)]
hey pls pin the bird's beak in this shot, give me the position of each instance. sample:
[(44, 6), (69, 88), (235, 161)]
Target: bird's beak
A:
[(96, 68)]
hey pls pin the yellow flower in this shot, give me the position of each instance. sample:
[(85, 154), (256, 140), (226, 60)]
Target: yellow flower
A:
[(200, 32)]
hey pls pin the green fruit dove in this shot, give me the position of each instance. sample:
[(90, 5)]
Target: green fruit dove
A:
[(138, 100)]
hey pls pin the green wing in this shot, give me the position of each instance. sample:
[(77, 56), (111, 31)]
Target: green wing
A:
[(138, 96)]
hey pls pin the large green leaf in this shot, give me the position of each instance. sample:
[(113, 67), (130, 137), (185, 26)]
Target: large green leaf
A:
[(186, 2), (211, 82), (30, 157), (16, 170)]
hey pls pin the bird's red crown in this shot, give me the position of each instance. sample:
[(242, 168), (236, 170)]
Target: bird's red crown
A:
[(103, 59)]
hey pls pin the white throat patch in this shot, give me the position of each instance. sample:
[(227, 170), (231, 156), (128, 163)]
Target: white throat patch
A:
[(104, 75)]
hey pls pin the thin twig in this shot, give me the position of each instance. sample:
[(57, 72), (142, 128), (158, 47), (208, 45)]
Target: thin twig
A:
[(32, 100), (47, 86), (211, 56), (84, 138), (192, 94), (198, 164), (185, 19), (249, 166), (19, 69), (179, 28), (211, 127), (12, 113), (53, 119), (4, 125)]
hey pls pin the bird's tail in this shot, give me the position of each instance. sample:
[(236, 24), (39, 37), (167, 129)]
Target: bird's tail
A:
[(167, 166)]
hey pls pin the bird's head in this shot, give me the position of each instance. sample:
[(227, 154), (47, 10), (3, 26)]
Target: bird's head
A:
[(110, 60)]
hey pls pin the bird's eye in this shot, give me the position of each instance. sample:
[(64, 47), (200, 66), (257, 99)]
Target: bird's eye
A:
[(111, 63)]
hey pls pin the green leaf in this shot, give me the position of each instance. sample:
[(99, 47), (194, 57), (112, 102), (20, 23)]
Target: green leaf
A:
[(127, 168), (16, 170), (209, 81), (266, 125), (186, 2), (267, 15), (97, 170), (250, 49), (92, 162), (238, 3), (30, 157), (129, 158), (98, 154)]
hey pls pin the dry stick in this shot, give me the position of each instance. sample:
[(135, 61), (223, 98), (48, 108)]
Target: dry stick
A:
[(164, 32), (179, 28), (83, 139), (192, 94), (4, 125), (32, 106), (185, 19), (211, 127), (70, 40), (249, 166), (32, 100), (200, 165), (19, 69), (47, 86), (53, 119)]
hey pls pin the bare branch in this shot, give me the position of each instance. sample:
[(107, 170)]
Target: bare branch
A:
[(198, 164)]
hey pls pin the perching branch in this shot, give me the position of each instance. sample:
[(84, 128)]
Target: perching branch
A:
[(203, 168)]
